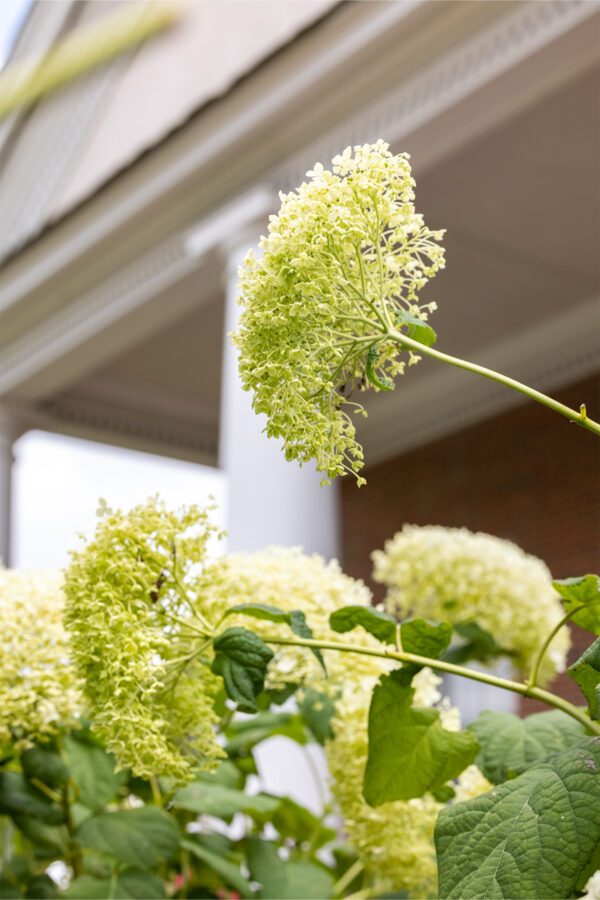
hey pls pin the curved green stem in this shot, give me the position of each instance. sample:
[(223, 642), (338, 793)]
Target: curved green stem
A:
[(347, 878), (579, 418), (533, 678), (517, 687)]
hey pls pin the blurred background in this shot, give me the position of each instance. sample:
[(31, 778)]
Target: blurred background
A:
[(142, 148)]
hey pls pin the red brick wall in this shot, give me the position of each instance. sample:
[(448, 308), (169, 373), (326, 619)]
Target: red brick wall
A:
[(527, 475)]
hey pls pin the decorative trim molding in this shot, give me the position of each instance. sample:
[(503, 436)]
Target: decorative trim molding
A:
[(547, 357), (477, 61), (125, 291), (93, 312), (134, 430)]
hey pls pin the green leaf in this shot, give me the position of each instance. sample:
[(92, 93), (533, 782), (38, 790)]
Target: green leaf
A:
[(586, 672), (278, 696), (41, 887), (18, 797), (130, 884), (584, 591), (204, 798), (141, 837), (380, 624), (226, 773), (529, 838), (410, 752), (425, 638), (295, 619), (244, 735), (49, 837), (294, 821), (509, 745), (93, 770), (378, 381), (45, 765), (477, 644), (260, 611), (317, 710), (301, 629), (241, 658), (287, 880), (416, 328), (229, 871)]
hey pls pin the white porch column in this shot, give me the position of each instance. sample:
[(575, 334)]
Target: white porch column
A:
[(8, 434), (270, 501)]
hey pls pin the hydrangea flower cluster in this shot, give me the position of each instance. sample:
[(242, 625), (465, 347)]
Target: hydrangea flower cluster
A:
[(38, 691), (394, 840), (342, 265), (456, 576), (291, 580), (137, 636)]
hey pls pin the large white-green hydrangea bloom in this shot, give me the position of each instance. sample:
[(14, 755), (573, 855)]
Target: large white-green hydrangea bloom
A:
[(342, 264), (38, 692), (140, 621), (456, 576)]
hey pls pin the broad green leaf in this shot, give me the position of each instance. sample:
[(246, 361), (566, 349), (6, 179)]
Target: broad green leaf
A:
[(425, 638), (260, 611), (141, 837), (584, 591), (416, 328), (130, 884), (295, 619), (226, 773), (410, 752), (41, 887), (287, 880), (18, 797), (380, 624), (45, 765), (529, 838), (93, 770), (294, 821), (50, 837), (586, 672), (278, 696), (242, 736), (317, 710), (509, 745), (229, 871), (301, 629), (224, 802), (477, 644), (241, 658)]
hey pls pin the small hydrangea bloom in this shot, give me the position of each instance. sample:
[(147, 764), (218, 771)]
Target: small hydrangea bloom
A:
[(137, 630), (394, 840), (456, 576), (342, 264), (291, 580), (38, 691)]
